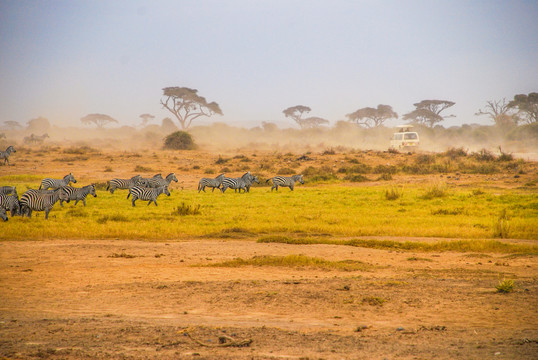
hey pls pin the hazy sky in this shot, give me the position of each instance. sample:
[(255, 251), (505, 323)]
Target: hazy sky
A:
[(66, 59)]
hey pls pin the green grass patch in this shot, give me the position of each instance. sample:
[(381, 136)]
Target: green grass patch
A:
[(477, 246), (301, 261), (505, 286)]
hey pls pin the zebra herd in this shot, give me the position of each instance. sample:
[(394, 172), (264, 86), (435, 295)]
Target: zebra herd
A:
[(244, 182), (148, 189)]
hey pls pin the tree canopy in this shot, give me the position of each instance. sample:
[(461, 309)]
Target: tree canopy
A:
[(296, 113), (372, 117), (526, 106), (146, 118), (12, 124), (98, 119), (39, 125), (187, 105), (428, 112)]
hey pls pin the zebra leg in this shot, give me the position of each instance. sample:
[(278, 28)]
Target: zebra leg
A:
[(149, 202), (76, 202), (133, 200), (291, 187), (47, 210), (83, 202), (61, 203)]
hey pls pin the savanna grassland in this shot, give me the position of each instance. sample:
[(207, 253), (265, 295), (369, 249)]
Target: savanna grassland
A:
[(378, 255)]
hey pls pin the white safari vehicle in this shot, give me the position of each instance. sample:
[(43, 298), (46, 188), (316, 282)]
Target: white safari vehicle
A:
[(405, 139)]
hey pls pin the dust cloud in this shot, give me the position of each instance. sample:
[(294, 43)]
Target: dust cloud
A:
[(220, 137)]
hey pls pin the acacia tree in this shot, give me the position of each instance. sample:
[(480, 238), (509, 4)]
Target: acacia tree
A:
[(499, 112), (526, 106), (428, 112), (12, 124), (371, 117), (296, 113), (187, 105), (98, 119), (146, 118)]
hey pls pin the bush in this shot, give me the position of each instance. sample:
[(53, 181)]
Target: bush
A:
[(484, 155), (505, 286), (435, 191), (179, 140), (356, 178), (286, 171), (392, 193), (184, 210), (455, 153)]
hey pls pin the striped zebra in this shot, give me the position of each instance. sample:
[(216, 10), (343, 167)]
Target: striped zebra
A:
[(10, 203), (3, 214), (8, 190), (285, 181), (56, 183), (209, 182), (238, 183), (41, 200), (158, 181), (146, 193), (79, 194), (125, 183), (5, 154)]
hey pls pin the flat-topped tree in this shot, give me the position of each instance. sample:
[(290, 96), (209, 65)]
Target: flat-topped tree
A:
[(526, 106), (98, 119), (187, 105), (372, 117), (428, 112), (296, 113), (146, 118), (12, 124)]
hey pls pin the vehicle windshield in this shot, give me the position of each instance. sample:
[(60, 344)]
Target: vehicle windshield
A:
[(410, 136)]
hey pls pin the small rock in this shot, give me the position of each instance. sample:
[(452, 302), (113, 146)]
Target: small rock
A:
[(497, 353), (400, 329)]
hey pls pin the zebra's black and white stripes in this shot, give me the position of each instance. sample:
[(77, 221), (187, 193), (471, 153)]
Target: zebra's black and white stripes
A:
[(3, 214), (158, 181), (8, 190), (57, 183), (244, 182), (285, 181), (146, 193), (210, 182), (10, 203), (79, 194), (125, 183), (5, 154), (41, 200)]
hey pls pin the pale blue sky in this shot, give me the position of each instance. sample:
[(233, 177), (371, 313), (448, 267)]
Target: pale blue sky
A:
[(66, 59)]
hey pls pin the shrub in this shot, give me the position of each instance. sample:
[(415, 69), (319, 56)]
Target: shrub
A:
[(179, 140), (140, 168), (393, 193), (183, 210), (505, 286), (435, 191), (116, 217), (484, 155), (502, 226), (221, 160), (286, 171), (356, 178), (455, 153), (209, 171), (385, 177), (108, 169), (385, 169)]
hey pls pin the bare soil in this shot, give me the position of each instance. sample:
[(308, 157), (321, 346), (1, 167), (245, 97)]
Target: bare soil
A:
[(132, 299)]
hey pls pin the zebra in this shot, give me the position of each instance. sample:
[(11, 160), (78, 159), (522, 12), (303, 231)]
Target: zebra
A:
[(238, 183), (79, 194), (5, 154), (38, 139), (145, 193), (10, 203), (41, 200), (125, 183), (55, 183), (3, 214), (253, 179), (209, 182), (285, 181), (7, 190), (158, 181)]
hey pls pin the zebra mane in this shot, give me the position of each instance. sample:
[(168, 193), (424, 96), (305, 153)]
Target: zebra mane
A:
[(167, 176), (221, 176), (246, 175)]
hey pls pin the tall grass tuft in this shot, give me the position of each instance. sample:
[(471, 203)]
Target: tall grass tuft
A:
[(502, 226), (183, 210), (505, 286), (393, 193), (435, 191)]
